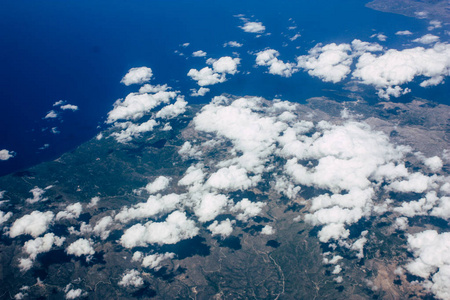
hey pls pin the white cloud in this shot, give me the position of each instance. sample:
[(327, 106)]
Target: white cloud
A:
[(394, 68), (25, 264), (216, 74), (434, 24), (59, 103), (131, 130), (231, 178), (51, 115), (225, 64), (248, 209), (153, 261), (159, 184), (33, 224), (269, 59), (154, 206), (72, 211), (42, 244), (174, 229), (69, 107), (330, 63), (211, 206), (431, 252), (81, 247), (94, 201), (153, 89), (6, 154), (403, 32), (75, 293), (268, 230), (199, 53), (37, 195), (233, 44), (131, 278), (173, 110), (381, 37), (100, 228), (4, 217), (137, 76), (434, 163), (224, 228), (200, 92), (427, 39), (134, 106), (253, 27)]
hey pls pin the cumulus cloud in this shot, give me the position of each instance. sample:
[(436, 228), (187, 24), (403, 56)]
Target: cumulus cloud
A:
[(431, 252), (81, 247), (154, 206), (233, 44), (268, 230), (75, 293), (381, 37), (101, 227), (131, 130), (72, 211), (6, 154), (200, 92), (135, 105), (175, 228), (69, 107), (199, 53), (159, 184), (137, 76), (4, 217), (94, 201), (131, 278), (434, 163), (153, 261), (216, 74), (330, 63), (253, 27), (173, 110), (403, 32), (37, 195), (223, 228), (269, 59), (153, 89), (41, 245), (248, 209), (230, 178), (211, 206), (33, 224), (394, 68), (427, 39)]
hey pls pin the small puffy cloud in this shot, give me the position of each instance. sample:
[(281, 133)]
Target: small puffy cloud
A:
[(223, 228), (42, 244), (137, 76), (153, 89), (134, 106), (173, 110), (100, 228), (381, 37), (296, 36), (403, 32), (199, 53), (94, 201), (231, 178), (434, 163), (4, 217), (33, 224), (330, 63), (131, 130), (175, 228), (233, 44), (216, 74), (268, 230), (248, 209), (75, 293), (51, 115), (153, 261), (154, 206), (159, 184), (434, 24), (131, 278), (427, 39), (6, 154), (59, 103), (37, 195), (200, 92), (69, 107), (81, 247), (253, 27), (211, 206), (269, 59), (25, 264), (72, 211)]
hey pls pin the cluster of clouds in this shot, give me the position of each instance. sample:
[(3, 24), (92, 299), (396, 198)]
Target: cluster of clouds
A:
[(62, 105), (386, 72), (127, 114)]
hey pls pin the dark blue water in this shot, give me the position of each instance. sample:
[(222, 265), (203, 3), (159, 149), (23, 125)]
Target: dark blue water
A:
[(79, 50)]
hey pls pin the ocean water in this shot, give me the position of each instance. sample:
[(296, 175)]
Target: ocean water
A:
[(78, 51)]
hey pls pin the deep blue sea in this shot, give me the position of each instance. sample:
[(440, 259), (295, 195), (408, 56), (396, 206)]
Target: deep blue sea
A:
[(78, 51)]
